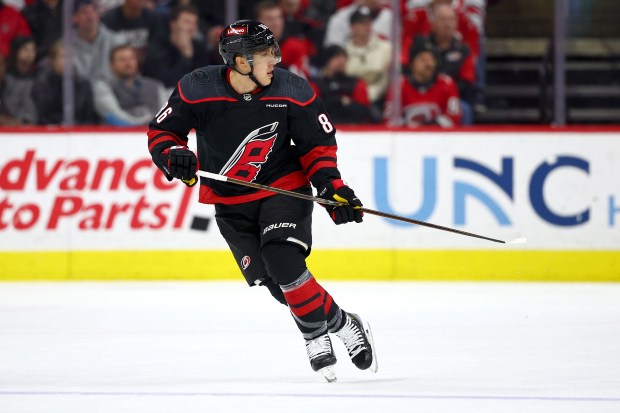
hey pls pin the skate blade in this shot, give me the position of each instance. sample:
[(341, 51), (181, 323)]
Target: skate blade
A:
[(374, 366), (329, 373)]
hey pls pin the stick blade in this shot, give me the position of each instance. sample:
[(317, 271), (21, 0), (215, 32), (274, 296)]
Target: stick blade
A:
[(522, 240)]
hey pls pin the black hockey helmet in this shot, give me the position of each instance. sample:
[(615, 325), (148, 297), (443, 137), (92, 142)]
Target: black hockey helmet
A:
[(244, 37)]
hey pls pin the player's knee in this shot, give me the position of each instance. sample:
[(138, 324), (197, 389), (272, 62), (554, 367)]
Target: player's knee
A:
[(285, 261)]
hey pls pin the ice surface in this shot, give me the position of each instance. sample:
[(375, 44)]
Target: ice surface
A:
[(224, 347)]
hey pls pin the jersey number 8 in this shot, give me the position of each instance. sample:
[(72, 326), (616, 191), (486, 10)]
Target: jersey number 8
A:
[(325, 123)]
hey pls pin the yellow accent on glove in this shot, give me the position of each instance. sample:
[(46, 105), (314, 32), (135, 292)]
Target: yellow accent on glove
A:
[(190, 182), (344, 201), (340, 199)]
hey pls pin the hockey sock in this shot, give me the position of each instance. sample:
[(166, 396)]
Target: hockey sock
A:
[(311, 306)]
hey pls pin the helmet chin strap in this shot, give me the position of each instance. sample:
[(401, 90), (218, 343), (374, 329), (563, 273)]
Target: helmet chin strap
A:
[(250, 75)]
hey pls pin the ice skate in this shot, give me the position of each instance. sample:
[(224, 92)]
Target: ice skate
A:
[(321, 355), (357, 338)]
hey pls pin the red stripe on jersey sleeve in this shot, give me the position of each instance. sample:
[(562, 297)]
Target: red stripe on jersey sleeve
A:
[(311, 163), (156, 137), (316, 153), (320, 165)]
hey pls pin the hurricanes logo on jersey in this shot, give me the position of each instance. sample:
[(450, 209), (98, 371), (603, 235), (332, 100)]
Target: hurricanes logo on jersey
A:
[(246, 162), (421, 113)]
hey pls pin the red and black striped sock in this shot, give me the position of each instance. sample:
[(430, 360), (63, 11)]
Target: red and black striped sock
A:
[(313, 308)]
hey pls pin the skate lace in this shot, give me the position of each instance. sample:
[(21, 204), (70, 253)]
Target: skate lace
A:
[(318, 346), (352, 337)]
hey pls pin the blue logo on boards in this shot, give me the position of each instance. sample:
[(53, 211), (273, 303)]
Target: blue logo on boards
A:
[(463, 191)]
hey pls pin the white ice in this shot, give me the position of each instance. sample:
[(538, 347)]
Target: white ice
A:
[(223, 347)]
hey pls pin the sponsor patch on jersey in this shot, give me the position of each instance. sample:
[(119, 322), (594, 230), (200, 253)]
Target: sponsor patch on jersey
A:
[(279, 225), (275, 105), (232, 31), (245, 262)]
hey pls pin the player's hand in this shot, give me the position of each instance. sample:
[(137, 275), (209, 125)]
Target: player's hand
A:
[(182, 164), (337, 190)]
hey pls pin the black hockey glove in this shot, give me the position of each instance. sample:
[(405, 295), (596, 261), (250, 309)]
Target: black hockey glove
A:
[(181, 164), (337, 190)]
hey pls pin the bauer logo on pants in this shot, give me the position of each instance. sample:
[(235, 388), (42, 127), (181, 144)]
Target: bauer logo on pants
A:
[(279, 225)]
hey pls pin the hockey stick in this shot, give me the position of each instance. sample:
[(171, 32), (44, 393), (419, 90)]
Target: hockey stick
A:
[(318, 200)]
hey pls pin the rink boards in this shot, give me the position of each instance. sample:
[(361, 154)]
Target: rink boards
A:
[(90, 205)]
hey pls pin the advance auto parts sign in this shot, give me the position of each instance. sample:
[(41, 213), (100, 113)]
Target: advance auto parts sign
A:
[(94, 191), (100, 191)]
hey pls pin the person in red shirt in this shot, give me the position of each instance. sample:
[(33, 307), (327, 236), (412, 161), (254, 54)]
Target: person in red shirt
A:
[(417, 17), (427, 97), (12, 24)]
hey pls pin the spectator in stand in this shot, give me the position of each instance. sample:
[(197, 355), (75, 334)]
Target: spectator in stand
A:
[(297, 24), (17, 94), (93, 42), (369, 55), (455, 58), (345, 97), (471, 14), (321, 10), (48, 94), (128, 98), (471, 17), (213, 12), (45, 20), (12, 24), (428, 97), (338, 29), (417, 16), (212, 17), (181, 53), (296, 51), (134, 23), (6, 118)]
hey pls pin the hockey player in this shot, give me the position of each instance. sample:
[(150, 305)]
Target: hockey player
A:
[(262, 124)]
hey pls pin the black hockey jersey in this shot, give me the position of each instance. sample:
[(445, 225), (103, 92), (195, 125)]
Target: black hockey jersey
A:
[(280, 135)]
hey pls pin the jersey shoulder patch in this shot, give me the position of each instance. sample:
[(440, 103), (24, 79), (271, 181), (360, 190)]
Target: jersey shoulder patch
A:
[(203, 84), (291, 87)]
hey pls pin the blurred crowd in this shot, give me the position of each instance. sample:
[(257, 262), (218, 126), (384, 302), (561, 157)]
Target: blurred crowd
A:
[(128, 55)]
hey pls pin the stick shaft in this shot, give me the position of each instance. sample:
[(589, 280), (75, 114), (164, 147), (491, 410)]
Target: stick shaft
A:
[(428, 224), (334, 203), (267, 188)]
